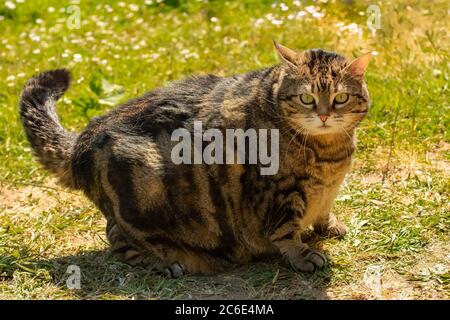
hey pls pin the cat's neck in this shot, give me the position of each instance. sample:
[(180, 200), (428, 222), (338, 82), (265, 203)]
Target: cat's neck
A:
[(327, 140), (327, 147)]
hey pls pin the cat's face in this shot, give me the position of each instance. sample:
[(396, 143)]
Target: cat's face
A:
[(321, 92)]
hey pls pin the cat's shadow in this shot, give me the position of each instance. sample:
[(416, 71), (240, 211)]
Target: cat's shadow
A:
[(102, 276)]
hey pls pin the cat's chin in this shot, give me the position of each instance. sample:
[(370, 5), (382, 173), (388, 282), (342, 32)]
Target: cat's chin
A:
[(325, 130)]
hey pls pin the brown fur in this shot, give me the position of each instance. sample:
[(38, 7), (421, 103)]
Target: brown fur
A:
[(206, 218)]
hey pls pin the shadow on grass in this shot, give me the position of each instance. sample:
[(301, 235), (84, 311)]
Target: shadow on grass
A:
[(103, 277)]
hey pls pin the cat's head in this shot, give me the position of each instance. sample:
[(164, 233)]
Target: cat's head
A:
[(321, 92)]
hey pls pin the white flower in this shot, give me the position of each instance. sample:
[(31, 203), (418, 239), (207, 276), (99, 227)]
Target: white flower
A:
[(273, 20), (10, 5), (351, 28), (437, 72), (311, 9), (35, 37), (276, 22), (300, 14), (51, 9), (77, 57), (259, 21), (101, 24), (36, 51), (154, 56), (187, 54), (214, 19), (11, 78), (134, 7), (284, 7), (318, 15)]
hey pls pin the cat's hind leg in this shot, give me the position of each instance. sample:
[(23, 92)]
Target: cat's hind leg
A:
[(330, 226), (129, 254)]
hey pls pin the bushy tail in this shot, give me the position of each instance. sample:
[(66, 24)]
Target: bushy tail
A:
[(51, 143)]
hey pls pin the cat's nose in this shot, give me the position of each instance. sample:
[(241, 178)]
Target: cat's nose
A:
[(323, 117)]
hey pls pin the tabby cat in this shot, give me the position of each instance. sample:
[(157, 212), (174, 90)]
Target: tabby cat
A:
[(202, 219)]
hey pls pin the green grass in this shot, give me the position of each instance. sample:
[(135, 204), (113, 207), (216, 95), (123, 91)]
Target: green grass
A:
[(395, 201)]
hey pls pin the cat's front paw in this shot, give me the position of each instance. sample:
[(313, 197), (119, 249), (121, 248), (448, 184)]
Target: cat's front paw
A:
[(307, 260)]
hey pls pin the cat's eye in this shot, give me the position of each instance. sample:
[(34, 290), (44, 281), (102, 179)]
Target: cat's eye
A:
[(341, 98), (306, 98)]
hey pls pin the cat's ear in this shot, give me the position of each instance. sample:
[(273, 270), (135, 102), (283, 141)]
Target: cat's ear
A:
[(358, 66), (287, 55)]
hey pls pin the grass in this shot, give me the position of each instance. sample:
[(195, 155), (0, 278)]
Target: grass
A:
[(395, 201)]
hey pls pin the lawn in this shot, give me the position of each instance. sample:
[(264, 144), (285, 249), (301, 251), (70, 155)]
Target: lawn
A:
[(395, 201)]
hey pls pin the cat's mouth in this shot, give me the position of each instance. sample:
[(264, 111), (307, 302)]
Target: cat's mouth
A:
[(324, 128)]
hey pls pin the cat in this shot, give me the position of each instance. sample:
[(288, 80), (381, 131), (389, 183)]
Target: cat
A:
[(202, 219)]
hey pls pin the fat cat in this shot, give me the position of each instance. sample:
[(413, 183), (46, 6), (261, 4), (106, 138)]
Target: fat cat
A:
[(205, 218)]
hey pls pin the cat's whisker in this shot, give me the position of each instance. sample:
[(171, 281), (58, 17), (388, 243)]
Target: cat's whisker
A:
[(304, 148), (347, 149), (297, 132)]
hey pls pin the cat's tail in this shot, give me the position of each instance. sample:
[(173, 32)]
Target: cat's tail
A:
[(51, 143)]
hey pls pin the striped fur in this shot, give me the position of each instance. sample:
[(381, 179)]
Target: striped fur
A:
[(205, 218)]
